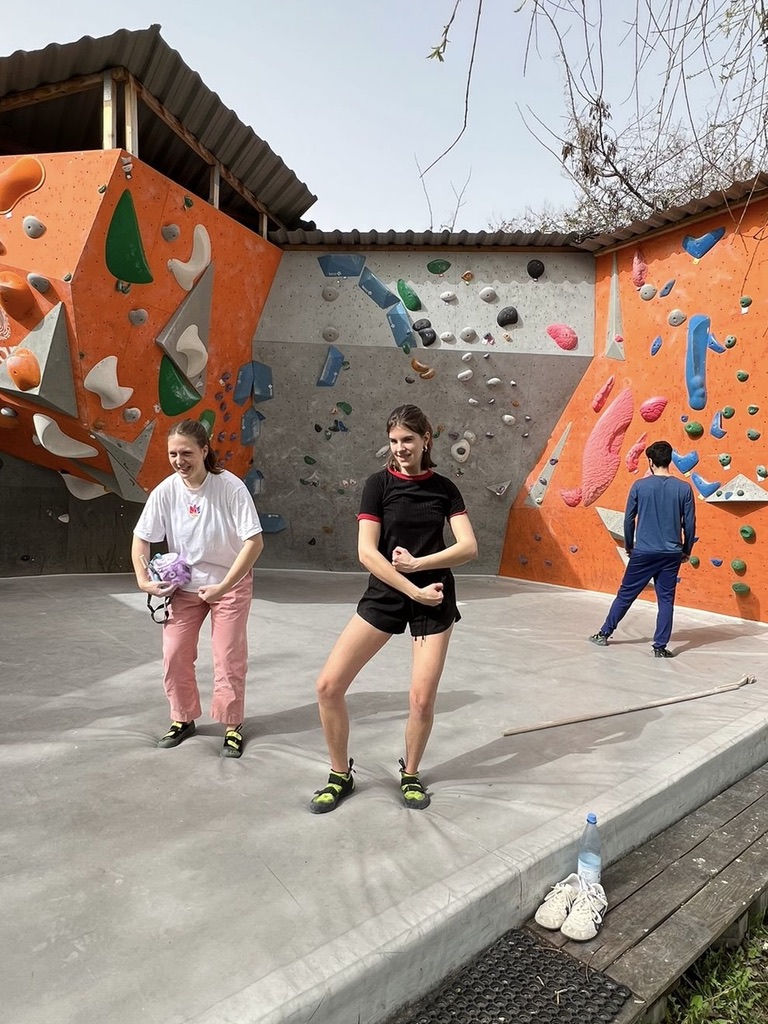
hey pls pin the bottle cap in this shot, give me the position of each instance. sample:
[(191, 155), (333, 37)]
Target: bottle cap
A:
[(592, 818)]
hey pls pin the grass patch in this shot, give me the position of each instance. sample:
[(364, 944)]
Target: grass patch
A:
[(725, 986)]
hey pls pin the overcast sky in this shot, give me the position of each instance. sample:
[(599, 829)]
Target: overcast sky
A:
[(343, 93)]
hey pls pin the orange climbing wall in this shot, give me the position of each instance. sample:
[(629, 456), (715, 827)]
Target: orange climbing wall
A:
[(559, 525), (125, 305)]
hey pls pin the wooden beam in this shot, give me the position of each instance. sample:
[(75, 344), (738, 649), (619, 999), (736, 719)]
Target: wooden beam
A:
[(197, 147), (214, 188), (108, 112), (53, 92), (131, 113)]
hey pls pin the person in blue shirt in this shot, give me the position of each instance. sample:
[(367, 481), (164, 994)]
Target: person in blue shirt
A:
[(659, 528)]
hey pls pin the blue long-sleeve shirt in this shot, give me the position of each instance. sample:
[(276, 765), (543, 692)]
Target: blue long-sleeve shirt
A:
[(660, 515)]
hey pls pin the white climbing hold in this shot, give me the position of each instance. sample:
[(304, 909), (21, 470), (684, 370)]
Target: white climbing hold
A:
[(329, 294), (466, 375), (499, 489), (488, 294), (460, 451), (382, 451), (468, 334), (33, 227), (493, 381), (467, 357), (447, 337), (470, 436), (195, 351), (54, 440), (509, 419), (186, 273), (448, 296), (473, 401), (63, 518), (101, 379), (513, 383), (330, 334)]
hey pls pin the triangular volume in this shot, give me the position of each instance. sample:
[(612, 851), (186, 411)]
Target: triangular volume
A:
[(615, 334), (129, 455), (48, 344), (184, 339)]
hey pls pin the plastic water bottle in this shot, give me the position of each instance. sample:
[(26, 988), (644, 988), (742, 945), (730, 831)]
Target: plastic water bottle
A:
[(590, 861)]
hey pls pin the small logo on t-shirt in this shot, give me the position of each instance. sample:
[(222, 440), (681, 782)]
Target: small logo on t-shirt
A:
[(194, 510)]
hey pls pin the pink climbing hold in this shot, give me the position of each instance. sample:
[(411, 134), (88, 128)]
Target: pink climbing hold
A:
[(571, 498), (639, 269), (602, 451), (563, 335), (633, 455), (652, 408), (600, 398)]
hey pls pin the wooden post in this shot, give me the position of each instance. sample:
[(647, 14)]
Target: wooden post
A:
[(131, 103), (109, 113), (214, 186)]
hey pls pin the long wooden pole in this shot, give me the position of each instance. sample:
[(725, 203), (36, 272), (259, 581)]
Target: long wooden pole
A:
[(744, 681)]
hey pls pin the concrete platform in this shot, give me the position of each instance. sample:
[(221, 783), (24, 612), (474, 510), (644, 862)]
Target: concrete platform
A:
[(147, 886)]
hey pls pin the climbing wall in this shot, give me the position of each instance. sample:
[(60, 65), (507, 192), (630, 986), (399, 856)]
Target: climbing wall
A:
[(125, 305), (490, 346), (680, 355)]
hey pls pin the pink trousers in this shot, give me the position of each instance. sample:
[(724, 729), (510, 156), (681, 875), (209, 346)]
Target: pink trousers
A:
[(229, 643)]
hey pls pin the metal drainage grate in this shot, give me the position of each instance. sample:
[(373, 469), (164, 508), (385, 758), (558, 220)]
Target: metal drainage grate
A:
[(519, 981)]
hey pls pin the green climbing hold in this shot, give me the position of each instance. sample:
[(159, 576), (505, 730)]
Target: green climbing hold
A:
[(753, 409), (724, 459), (345, 407), (753, 435), (695, 561), (438, 266), (188, 202), (762, 472), (406, 348), (310, 461), (694, 429), (124, 252), (67, 277), (747, 532), (745, 301), (176, 393), (740, 588), (739, 565), (410, 299), (742, 375), (730, 341), (207, 418), (728, 412), (102, 189)]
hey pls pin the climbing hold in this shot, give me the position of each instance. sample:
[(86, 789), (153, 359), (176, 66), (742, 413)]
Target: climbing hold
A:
[(188, 202), (753, 435), (16, 297), (762, 472), (310, 461), (24, 176), (740, 589), (330, 334), (24, 369), (685, 463), (509, 419), (410, 380), (535, 269), (699, 340), (410, 299), (493, 381), (345, 407), (473, 401), (188, 271), (639, 269), (39, 283), (138, 317), (717, 562), (329, 293), (694, 429), (632, 458), (488, 294), (374, 289), (470, 435), (656, 345), (468, 334), (428, 337), (422, 325), (652, 408), (753, 409), (716, 428), (499, 489), (467, 276), (467, 357), (170, 232), (573, 549), (438, 266), (667, 289), (460, 451), (447, 337), (124, 251), (8, 412), (699, 247), (745, 302), (54, 440), (724, 459), (176, 394), (647, 292), (33, 227), (448, 296), (676, 317), (101, 379), (704, 487), (600, 396), (466, 375), (428, 375), (730, 341), (564, 336), (728, 411), (489, 340), (694, 561), (419, 367), (739, 565), (747, 532), (742, 376), (507, 317), (133, 415)]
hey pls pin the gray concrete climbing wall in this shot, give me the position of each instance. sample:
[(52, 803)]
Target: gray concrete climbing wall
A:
[(491, 346)]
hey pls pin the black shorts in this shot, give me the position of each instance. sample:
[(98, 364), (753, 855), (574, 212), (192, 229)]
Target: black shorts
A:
[(390, 611)]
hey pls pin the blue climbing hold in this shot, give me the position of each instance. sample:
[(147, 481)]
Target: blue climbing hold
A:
[(704, 487), (698, 247), (685, 463), (656, 345)]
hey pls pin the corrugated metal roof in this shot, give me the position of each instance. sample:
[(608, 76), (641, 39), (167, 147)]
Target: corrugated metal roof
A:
[(163, 73), (736, 195)]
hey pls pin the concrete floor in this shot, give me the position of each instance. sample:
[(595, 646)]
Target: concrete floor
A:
[(147, 886)]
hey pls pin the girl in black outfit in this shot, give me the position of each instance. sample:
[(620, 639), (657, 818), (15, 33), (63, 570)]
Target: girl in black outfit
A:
[(402, 515)]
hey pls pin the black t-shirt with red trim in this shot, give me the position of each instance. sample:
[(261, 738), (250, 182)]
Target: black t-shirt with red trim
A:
[(413, 511)]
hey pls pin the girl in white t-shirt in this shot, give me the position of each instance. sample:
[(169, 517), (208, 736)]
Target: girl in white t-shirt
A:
[(207, 516)]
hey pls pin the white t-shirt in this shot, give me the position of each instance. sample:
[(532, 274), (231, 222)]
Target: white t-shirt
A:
[(207, 526)]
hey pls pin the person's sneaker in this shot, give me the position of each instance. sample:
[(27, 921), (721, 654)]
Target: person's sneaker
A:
[(414, 794), (662, 652), (340, 784), (587, 913), (178, 732), (601, 639), (557, 903)]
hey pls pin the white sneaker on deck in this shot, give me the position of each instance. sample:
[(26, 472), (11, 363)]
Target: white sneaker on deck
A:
[(557, 903), (586, 914)]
